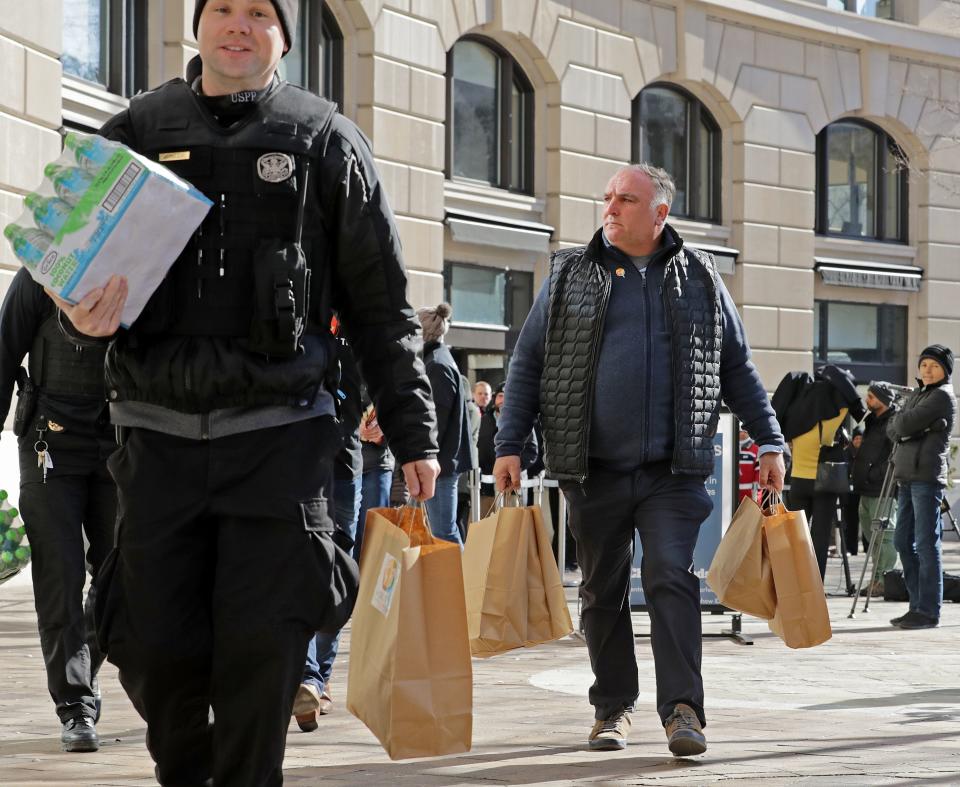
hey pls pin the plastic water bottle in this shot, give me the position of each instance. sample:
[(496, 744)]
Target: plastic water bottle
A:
[(70, 183), (50, 213), (30, 245), (91, 152)]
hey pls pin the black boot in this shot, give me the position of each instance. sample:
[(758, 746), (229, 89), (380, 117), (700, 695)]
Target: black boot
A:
[(79, 734)]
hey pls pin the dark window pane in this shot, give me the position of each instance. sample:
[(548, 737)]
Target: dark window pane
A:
[(521, 297), (853, 333), (295, 64), (85, 39), (663, 131), (893, 331), (851, 180), (702, 189), (518, 128), (476, 124), (478, 294), (819, 306), (329, 67), (892, 170)]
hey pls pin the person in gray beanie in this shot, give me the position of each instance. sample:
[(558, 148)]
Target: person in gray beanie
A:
[(453, 420), (922, 428)]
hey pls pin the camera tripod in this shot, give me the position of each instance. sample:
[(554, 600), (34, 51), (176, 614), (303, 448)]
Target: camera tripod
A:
[(946, 512), (880, 524)]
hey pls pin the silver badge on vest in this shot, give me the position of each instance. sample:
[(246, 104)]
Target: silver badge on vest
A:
[(275, 167)]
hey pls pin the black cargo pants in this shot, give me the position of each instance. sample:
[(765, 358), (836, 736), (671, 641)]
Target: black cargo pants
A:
[(213, 594), (78, 497)]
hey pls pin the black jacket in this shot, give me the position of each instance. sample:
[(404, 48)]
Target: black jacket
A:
[(357, 272), (453, 421), (923, 427), (26, 308), (870, 463), (486, 446)]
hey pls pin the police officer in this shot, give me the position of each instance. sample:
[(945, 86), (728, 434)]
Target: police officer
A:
[(225, 566), (65, 491)]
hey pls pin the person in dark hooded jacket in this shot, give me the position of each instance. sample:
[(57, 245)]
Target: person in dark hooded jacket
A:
[(923, 429)]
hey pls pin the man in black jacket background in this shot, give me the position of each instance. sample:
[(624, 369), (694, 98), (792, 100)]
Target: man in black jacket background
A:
[(73, 495), (225, 562), (869, 468)]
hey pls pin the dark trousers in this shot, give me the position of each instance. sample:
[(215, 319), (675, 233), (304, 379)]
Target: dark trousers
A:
[(218, 593), (78, 497), (821, 511), (667, 511), (850, 505)]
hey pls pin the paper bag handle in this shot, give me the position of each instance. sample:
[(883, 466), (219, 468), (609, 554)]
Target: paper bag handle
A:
[(500, 501)]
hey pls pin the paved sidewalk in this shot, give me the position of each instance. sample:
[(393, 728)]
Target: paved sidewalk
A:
[(873, 706)]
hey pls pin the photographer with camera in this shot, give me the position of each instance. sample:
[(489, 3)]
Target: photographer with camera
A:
[(869, 470), (923, 428)]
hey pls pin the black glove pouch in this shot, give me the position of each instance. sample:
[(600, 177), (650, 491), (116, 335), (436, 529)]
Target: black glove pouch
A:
[(281, 299), (27, 396)]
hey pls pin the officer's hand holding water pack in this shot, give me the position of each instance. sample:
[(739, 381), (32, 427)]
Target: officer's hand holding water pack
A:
[(86, 222)]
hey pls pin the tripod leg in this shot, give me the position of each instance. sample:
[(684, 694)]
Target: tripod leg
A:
[(843, 555), (953, 522), (866, 564)]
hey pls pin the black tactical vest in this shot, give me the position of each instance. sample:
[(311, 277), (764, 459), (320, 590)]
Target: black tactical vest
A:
[(253, 172), (579, 292), (57, 366)]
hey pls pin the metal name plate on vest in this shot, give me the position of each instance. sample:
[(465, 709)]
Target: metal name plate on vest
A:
[(275, 167)]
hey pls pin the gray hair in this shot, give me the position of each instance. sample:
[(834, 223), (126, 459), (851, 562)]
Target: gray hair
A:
[(663, 186)]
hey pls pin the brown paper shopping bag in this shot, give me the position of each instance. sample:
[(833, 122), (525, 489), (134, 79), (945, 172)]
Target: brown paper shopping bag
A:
[(514, 592), (741, 574), (410, 679), (802, 619)]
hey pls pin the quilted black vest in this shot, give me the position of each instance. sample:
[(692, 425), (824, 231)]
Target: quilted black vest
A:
[(579, 293)]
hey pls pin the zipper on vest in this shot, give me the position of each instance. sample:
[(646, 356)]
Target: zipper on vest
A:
[(594, 356), (647, 384), (205, 426)]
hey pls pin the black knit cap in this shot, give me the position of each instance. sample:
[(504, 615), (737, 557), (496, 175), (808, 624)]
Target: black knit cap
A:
[(882, 392), (942, 355), (287, 11)]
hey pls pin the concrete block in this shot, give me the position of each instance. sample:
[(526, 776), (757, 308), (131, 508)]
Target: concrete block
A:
[(849, 65), (711, 50), (772, 365), (577, 219), (428, 94), (875, 65), (821, 64), (737, 49), (797, 247), (617, 54), (422, 243), (404, 138), (798, 170), (802, 94), (466, 11), (757, 164), (38, 23), (774, 205), (603, 14), (424, 287), (13, 66), (613, 138), (573, 43), (779, 53), (516, 18), (896, 80), (391, 84), (779, 128), (27, 148), (759, 243), (796, 329), (941, 263), (410, 40), (761, 325), (943, 189), (785, 287), (665, 24), (395, 178), (694, 27), (575, 131), (943, 226), (588, 89), (755, 87), (638, 22), (426, 193), (444, 16), (938, 299), (584, 176)]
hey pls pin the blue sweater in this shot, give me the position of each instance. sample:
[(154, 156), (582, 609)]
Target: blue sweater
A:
[(632, 422)]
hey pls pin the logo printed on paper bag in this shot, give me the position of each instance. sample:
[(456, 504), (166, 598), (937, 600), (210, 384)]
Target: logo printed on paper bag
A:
[(275, 167), (386, 585)]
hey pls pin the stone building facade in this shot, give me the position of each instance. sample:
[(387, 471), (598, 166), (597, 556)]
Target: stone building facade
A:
[(816, 143)]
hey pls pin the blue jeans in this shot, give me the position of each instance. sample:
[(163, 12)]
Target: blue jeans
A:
[(442, 509), (917, 539), (375, 493), (322, 648)]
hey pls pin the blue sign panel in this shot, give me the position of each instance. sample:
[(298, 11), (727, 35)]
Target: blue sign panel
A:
[(719, 487)]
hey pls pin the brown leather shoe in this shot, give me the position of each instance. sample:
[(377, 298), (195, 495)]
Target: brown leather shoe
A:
[(325, 704), (684, 734)]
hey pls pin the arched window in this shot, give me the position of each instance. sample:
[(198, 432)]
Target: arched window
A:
[(316, 60), (673, 130), (861, 183), (489, 117)]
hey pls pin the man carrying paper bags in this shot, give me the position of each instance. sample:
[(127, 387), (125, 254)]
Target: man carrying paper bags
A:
[(633, 311), (226, 559)]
